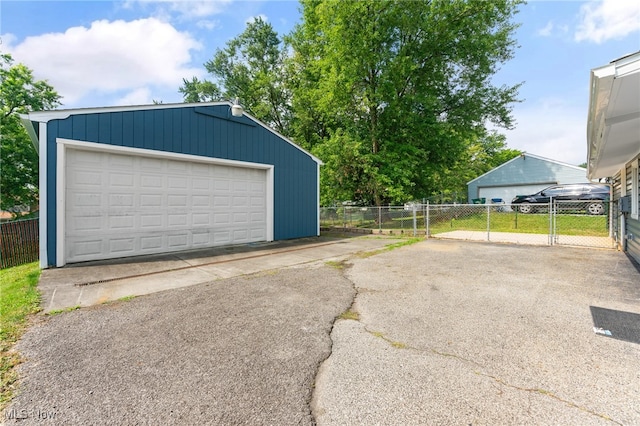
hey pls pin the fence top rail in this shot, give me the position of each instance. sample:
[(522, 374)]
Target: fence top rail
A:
[(6, 222)]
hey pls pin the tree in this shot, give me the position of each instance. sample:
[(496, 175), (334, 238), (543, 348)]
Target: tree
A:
[(19, 93), (251, 67), (407, 84), (482, 154), (196, 90)]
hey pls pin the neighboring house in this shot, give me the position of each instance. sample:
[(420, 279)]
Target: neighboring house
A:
[(125, 181), (523, 175), (613, 138)]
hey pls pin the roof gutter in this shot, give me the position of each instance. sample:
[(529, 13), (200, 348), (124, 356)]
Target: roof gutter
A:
[(605, 89)]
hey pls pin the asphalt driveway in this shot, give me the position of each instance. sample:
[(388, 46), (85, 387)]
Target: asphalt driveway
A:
[(447, 332), (238, 351)]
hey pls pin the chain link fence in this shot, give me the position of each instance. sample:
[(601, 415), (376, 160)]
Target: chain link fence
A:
[(387, 219), (576, 223)]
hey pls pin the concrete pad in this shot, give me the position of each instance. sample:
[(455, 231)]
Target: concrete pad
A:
[(93, 283), (531, 239)]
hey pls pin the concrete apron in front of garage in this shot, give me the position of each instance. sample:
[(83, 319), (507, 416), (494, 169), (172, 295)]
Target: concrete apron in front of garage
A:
[(92, 283)]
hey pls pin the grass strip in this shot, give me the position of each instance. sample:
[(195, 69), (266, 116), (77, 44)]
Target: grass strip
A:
[(19, 298)]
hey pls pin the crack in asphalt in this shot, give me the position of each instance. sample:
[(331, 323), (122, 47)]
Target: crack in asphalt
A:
[(341, 266), (345, 265), (539, 391), (549, 394)]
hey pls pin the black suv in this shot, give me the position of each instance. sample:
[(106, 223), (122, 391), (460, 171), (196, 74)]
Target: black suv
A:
[(582, 193)]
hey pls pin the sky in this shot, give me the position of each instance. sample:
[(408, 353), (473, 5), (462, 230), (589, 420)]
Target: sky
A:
[(132, 52)]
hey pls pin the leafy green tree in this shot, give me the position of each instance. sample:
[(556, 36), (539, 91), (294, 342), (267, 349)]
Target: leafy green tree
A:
[(408, 84), (252, 68), (482, 154), (19, 93), (196, 90)]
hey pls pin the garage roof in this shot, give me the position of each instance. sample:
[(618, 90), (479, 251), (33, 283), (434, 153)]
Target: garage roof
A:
[(613, 127), (61, 114)]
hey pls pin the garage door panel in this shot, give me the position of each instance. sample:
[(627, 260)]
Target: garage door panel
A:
[(222, 237), (121, 200), (174, 200), (201, 219), (122, 246), (151, 243), (201, 237), (240, 201), (88, 223), (121, 179), (163, 205), (87, 249), (177, 182), (120, 222), (240, 235), (178, 241), (116, 162), (151, 181), (240, 218), (148, 221), (221, 201), (86, 178)]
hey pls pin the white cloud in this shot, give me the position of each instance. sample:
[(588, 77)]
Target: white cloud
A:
[(552, 129), (207, 24), (252, 19), (7, 40), (109, 57), (608, 19), (546, 31), (140, 96)]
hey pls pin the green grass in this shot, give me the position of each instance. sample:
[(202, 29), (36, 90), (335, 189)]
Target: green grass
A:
[(580, 225), (406, 242), (20, 298), (64, 310), (350, 314), (476, 220)]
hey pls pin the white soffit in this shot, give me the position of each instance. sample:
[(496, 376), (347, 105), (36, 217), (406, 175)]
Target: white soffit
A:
[(613, 129)]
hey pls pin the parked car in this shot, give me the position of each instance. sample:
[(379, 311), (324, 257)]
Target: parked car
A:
[(588, 197)]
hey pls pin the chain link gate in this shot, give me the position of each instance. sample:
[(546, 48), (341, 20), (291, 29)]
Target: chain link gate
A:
[(574, 223)]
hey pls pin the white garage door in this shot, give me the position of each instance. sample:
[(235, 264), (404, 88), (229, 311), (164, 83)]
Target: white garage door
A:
[(125, 205)]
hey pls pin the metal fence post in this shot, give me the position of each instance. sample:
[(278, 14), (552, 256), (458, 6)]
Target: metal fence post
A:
[(379, 219), (551, 221), (415, 221), (488, 222), (344, 216), (426, 219)]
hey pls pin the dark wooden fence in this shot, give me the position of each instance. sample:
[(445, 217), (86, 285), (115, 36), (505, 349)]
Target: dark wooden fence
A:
[(19, 242)]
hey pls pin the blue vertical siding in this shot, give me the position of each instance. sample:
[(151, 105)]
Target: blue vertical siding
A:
[(206, 131)]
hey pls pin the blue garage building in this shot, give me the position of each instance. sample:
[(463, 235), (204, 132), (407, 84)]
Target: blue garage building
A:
[(126, 181), (522, 175)]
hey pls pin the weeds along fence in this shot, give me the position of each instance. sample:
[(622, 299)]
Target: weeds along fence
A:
[(19, 242), (387, 219), (584, 223)]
